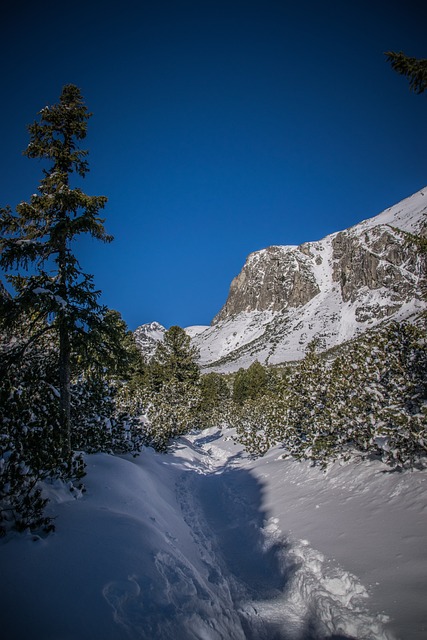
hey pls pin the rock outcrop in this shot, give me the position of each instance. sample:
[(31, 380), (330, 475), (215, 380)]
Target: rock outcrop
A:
[(380, 257), (271, 280), (332, 290)]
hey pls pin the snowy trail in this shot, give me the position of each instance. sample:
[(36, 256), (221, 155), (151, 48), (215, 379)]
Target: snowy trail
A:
[(281, 589), (196, 544)]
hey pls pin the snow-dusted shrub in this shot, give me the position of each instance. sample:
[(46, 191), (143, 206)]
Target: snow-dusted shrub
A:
[(260, 423), (214, 407), (171, 411), (29, 433), (99, 418), (31, 448), (172, 395), (383, 390), (371, 398)]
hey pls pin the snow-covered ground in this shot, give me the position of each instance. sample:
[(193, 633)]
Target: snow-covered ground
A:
[(205, 543)]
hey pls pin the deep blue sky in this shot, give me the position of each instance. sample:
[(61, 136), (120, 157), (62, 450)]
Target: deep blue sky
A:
[(219, 128)]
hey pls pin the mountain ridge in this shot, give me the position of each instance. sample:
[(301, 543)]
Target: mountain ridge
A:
[(332, 289)]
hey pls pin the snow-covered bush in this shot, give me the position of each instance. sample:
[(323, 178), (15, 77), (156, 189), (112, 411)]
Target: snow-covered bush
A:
[(371, 398), (31, 449), (382, 403), (100, 420), (214, 407), (29, 430), (170, 412), (260, 423), (172, 395)]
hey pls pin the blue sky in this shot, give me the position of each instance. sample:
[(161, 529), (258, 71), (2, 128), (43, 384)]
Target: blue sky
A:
[(218, 128)]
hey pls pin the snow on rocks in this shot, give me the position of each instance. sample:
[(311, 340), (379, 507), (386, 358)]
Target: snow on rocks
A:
[(333, 290)]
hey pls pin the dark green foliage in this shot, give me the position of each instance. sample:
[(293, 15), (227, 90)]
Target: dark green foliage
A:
[(250, 383), (172, 396), (108, 347), (172, 411), (240, 387), (257, 380), (215, 397), (40, 234), (413, 68), (30, 434), (30, 420), (100, 419), (174, 360), (259, 422), (214, 389), (310, 423), (383, 405), (372, 398)]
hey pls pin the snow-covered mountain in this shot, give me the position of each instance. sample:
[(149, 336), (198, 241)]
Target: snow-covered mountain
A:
[(147, 337), (331, 289)]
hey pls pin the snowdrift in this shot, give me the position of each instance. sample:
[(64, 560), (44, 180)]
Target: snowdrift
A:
[(204, 543)]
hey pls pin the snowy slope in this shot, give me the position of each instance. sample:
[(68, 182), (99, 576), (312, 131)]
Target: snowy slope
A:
[(195, 329), (204, 543), (404, 215), (147, 336), (356, 279)]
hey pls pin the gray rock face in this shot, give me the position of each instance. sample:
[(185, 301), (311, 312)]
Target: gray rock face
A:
[(271, 280), (331, 290), (379, 257)]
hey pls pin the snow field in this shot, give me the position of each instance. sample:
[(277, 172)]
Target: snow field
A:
[(204, 543)]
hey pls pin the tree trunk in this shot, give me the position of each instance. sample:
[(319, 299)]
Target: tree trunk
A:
[(64, 358), (64, 390)]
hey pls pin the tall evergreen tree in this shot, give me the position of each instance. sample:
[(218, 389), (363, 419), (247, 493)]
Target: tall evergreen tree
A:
[(175, 359), (173, 395), (40, 233)]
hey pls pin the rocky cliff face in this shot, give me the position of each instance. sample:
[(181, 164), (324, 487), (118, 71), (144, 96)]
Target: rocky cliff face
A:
[(147, 336), (279, 278), (331, 290), (271, 280), (379, 257)]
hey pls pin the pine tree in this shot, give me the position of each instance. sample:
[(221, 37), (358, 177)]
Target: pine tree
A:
[(413, 68), (215, 396), (40, 233), (173, 393), (250, 383), (240, 387), (175, 359), (104, 404)]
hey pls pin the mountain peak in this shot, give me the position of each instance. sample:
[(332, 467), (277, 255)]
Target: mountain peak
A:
[(331, 289)]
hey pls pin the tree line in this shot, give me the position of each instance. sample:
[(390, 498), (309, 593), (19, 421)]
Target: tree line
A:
[(369, 398)]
